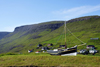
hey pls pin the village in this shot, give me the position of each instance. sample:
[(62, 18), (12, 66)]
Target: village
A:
[(89, 49)]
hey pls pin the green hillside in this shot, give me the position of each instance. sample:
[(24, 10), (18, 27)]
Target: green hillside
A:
[(29, 36), (3, 34), (84, 30)]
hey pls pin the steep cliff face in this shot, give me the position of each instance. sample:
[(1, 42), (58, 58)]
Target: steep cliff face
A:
[(38, 27), (83, 18)]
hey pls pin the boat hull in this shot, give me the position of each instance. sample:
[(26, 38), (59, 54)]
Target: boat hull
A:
[(70, 54)]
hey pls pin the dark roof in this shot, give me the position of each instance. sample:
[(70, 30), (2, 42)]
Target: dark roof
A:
[(90, 46), (45, 48), (39, 45), (62, 45), (94, 38)]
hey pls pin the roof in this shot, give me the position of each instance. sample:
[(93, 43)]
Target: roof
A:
[(94, 38), (90, 46)]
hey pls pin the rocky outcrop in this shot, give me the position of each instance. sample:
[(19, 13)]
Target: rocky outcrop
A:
[(38, 27), (83, 18)]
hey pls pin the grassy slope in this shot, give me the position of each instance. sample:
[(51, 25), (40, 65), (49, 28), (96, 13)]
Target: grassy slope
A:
[(84, 30), (18, 43), (47, 60)]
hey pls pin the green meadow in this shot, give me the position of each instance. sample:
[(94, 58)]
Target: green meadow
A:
[(44, 59)]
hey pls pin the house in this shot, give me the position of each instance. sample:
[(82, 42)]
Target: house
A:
[(93, 51), (94, 38), (39, 45), (82, 51), (45, 48), (29, 51), (50, 44), (37, 52), (90, 47)]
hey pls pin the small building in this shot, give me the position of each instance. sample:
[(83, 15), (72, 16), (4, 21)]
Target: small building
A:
[(50, 44), (93, 51), (29, 51), (45, 48), (43, 51), (39, 45), (94, 38), (90, 47), (37, 52)]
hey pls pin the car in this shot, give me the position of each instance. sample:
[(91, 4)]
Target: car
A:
[(93, 51), (82, 51)]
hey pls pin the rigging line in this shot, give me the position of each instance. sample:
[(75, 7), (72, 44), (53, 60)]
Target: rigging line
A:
[(62, 39), (82, 44), (75, 36), (59, 38)]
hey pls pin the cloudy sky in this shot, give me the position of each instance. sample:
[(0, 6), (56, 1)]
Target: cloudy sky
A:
[(14, 13)]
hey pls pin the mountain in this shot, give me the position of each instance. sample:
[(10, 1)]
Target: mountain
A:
[(25, 37), (29, 36), (3, 34)]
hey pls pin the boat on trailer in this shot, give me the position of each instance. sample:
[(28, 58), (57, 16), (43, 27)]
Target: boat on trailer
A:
[(64, 52)]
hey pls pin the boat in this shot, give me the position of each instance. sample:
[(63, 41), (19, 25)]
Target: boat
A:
[(64, 52)]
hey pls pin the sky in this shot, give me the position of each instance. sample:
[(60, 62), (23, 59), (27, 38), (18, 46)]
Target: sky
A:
[(15, 13)]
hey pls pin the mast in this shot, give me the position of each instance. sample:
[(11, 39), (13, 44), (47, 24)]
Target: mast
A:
[(65, 36)]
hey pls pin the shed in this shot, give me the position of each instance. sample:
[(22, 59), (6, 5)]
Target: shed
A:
[(90, 47), (37, 52), (45, 48), (50, 44), (94, 38), (29, 51), (39, 45)]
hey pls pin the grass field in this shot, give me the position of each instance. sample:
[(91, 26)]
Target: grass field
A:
[(44, 59)]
